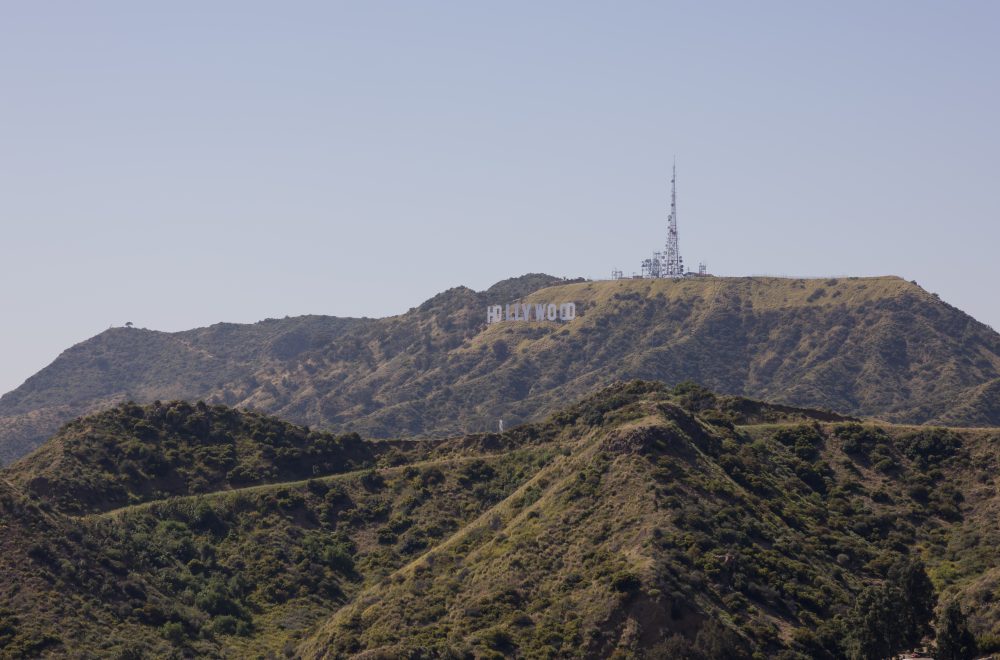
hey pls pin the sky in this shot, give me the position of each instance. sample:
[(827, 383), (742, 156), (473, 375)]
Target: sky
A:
[(177, 164)]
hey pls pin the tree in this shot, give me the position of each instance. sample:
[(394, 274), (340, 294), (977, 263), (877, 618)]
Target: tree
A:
[(874, 626), (716, 641), (915, 593), (954, 641), (894, 616)]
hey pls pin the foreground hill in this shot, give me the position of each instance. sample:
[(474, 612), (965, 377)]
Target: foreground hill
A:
[(644, 521), (62, 586), (874, 347), (200, 565)]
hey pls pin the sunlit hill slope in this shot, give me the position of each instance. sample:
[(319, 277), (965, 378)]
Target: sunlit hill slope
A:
[(644, 521), (879, 347)]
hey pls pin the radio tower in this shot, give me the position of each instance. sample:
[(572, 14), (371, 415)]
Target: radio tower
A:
[(673, 265)]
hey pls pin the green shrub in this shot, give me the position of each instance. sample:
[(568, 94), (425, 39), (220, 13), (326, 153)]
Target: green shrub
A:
[(372, 480), (225, 625), (216, 600), (174, 633), (626, 582), (339, 558), (929, 447), (498, 639)]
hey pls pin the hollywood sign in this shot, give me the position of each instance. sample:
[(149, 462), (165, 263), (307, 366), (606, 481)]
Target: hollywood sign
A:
[(531, 312)]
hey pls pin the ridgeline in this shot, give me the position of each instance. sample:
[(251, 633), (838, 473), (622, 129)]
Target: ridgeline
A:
[(876, 347)]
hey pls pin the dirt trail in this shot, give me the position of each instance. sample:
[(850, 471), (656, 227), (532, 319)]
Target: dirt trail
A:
[(340, 476)]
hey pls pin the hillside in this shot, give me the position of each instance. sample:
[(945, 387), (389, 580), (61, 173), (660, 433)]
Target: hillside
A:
[(642, 521), (61, 586), (224, 529), (123, 364), (872, 347), (132, 454)]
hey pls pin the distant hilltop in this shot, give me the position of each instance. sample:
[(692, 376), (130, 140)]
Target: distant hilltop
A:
[(872, 346)]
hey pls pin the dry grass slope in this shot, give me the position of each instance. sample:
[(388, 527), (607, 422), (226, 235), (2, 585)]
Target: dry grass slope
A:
[(877, 346)]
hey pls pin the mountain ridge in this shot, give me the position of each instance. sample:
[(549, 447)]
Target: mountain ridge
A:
[(877, 347)]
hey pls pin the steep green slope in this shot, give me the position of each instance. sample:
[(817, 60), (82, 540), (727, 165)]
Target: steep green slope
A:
[(131, 454), (63, 589), (266, 564), (644, 521), (657, 531), (879, 347), (240, 570)]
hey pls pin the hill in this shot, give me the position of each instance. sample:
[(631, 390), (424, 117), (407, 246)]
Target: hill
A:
[(61, 587), (197, 564), (873, 347), (642, 521), (123, 364)]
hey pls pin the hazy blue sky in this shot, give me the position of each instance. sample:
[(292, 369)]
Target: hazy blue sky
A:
[(181, 163)]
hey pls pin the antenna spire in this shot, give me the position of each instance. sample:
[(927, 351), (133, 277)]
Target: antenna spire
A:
[(673, 264), (667, 263)]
